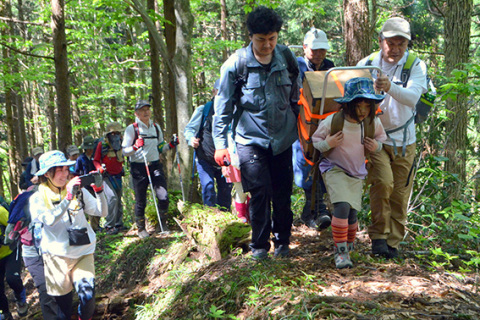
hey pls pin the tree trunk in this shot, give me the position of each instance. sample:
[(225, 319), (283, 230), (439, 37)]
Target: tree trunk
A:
[(357, 30), (223, 27), (156, 73), (130, 79), (52, 118), (170, 99), (183, 83), (61, 74), (457, 43), (6, 33)]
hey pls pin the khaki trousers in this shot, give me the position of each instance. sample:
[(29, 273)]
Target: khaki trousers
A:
[(389, 193)]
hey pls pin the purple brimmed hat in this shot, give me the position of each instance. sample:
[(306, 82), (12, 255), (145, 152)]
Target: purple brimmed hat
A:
[(359, 88), (52, 159)]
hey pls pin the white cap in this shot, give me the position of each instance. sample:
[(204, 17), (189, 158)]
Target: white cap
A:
[(316, 39), (397, 26)]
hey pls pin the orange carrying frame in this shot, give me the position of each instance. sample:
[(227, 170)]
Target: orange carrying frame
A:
[(309, 116)]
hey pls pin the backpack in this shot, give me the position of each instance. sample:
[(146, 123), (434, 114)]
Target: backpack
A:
[(242, 74), (427, 99), (137, 132), (19, 229), (206, 149), (104, 146), (424, 104)]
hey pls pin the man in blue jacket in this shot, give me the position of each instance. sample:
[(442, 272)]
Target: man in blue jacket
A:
[(315, 47), (261, 100)]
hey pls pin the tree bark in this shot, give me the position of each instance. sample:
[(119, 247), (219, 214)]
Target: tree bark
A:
[(457, 43), (223, 27), (62, 83), (130, 79), (52, 118), (156, 72), (170, 40), (357, 30), (6, 33), (183, 83)]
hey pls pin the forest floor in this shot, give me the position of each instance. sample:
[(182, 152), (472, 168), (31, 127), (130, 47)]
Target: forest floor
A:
[(304, 286)]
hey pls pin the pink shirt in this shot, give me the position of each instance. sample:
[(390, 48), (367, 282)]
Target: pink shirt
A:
[(350, 155)]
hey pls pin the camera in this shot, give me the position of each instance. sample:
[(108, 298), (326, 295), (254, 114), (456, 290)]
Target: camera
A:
[(87, 179)]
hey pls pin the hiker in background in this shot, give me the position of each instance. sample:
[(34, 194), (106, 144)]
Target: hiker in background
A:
[(109, 153), (143, 142), (315, 47), (72, 153), (68, 241), (33, 166), (232, 175), (32, 256), (198, 134), (23, 183), (344, 151), (10, 270), (390, 171), (265, 96), (84, 165)]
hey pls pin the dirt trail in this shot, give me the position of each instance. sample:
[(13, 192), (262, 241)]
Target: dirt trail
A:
[(373, 289)]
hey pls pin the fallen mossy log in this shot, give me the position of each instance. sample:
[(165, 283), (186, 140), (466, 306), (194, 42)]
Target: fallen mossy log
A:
[(214, 232)]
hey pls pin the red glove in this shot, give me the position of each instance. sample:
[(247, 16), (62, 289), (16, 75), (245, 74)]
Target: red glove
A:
[(138, 144), (72, 188), (221, 155)]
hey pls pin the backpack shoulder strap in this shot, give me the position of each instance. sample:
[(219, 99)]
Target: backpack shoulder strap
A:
[(242, 70), (371, 57), (137, 131), (407, 67), (337, 122), (292, 65), (157, 128), (369, 127)]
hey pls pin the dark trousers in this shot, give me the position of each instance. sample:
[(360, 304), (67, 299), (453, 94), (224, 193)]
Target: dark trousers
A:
[(208, 174), (141, 184), (35, 266), (10, 270), (269, 180)]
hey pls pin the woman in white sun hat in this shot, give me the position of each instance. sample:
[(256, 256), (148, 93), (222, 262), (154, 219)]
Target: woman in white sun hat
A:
[(68, 241)]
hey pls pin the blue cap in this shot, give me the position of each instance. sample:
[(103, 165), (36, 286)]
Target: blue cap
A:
[(359, 88), (52, 159)]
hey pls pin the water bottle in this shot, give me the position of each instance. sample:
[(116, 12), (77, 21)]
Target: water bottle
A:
[(37, 234)]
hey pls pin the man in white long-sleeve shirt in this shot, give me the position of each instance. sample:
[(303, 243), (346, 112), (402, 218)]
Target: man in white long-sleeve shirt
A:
[(390, 173), (143, 141)]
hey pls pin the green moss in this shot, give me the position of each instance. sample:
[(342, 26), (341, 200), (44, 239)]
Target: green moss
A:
[(231, 236)]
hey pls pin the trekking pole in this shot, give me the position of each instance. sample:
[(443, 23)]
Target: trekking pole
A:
[(179, 170), (153, 191)]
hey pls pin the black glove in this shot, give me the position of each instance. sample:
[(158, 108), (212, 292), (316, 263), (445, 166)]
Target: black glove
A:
[(174, 142)]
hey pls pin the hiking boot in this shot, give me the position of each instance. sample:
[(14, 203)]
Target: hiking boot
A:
[(143, 234), (112, 231), (164, 226), (22, 308), (281, 251), (242, 211), (341, 256), (392, 252), (380, 248), (259, 254), (351, 247), (323, 222), (310, 223)]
